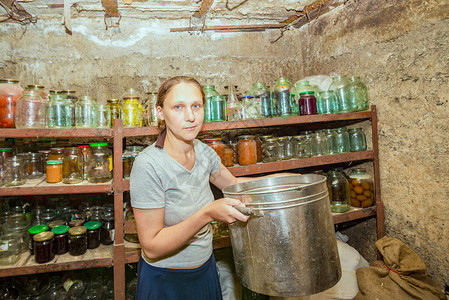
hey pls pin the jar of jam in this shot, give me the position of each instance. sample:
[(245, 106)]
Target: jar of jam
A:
[(362, 188), (72, 168), (43, 247), (55, 223), (10, 91), (107, 227), (77, 240), (54, 171), (55, 154), (33, 231), (271, 150), (247, 150), (307, 103), (218, 146), (99, 163), (93, 234), (228, 156), (61, 239), (76, 222)]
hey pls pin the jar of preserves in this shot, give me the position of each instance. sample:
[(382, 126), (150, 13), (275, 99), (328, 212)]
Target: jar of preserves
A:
[(114, 109), (340, 191), (129, 156), (362, 188), (59, 114), (271, 150), (130, 229), (341, 85), (359, 93), (32, 232), (71, 99), (218, 146), (247, 150), (93, 234), (77, 240), (327, 102), (235, 148), (43, 247), (56, 223), (151, 109), (99, 163), (10, 248), (286, 147), (14, 171), (301, 146), (30, 110), (228, 156), (102, 116), (61, 239), (72, 168), (56, 154), (209, 91), (217, 105), (131, 112), (54, 171), (318, 144), (281, 102), (85, 112), (33, 165), (5, 152), (331, 135), (107, 227), (260, 93), (307, 103), (357, 139), (76, 222), (343, 144), (10, 91)]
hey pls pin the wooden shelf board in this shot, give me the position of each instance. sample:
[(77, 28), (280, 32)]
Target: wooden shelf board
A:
[(48, 133), (140, 131), (100, 257), (354, 214), (40, 187)]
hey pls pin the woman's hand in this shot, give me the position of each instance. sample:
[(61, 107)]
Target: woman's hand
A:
[(223, 210)]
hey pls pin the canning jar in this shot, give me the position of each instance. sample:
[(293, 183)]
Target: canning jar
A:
[(14, 171), (259, 148), (129, 228), (54, 171), (10, 91), (307, 103), (72, 168), (151, 109), (85, 112), (247, 150), (218, 146), (102, 116), (77, 240), (56, 154), (340, 191), (61, 239), (318, 144), (327, 102), (301, 146), (76, 222), (362, 188), (286, 148), (99, 163), (43, 247), (261, 95), (359, 93), (95, 213), (228, 156), (40, 89), (32, 232), (107, 227), (223, 228), (215, 229), (129, 156), (250, 108), (281, 105), (30, 110), (343, 144), (18, 223), (33, 165), (10, 248), (131, 112), (331, 135), (56, 223), (271, 150), (84, 149), (357, 139), (341, 85), (71, 99), (4, 153), (59, 114), (235, 148), (44, 157), (93, 234), (114, 110), (209, 91), (217, 106), (233, 108)]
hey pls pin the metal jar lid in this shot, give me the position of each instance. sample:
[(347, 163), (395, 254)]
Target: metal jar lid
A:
[(43, 236), (78, 230)]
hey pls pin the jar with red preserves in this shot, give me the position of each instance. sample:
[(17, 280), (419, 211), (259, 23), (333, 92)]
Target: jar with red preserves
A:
[(10, 91), (218, 146), (247, 150), (228, 156)]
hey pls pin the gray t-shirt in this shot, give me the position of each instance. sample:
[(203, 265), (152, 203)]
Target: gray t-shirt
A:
[(157, 180)]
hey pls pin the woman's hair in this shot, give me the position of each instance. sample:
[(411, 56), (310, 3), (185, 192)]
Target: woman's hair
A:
[(168, 85)]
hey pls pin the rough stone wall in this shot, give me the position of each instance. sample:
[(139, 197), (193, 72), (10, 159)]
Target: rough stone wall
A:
[(400, 49)]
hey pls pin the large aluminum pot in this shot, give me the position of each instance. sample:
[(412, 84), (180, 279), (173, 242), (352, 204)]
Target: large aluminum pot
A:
[(288, 246)]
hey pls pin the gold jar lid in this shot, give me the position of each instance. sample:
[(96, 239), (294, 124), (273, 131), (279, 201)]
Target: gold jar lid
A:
[(78, 230), (113, 100), (43, 236), (56, 223), (282, 138)]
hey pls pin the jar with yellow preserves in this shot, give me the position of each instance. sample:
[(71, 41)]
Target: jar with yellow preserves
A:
[(362, 188), (54, 171), (132, 112)]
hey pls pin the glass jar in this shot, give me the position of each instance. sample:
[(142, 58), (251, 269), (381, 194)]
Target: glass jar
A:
[(247, 150), (14, 171), (357, 139), (56, 223), (18, 223), (107, 227), (32, 232), (114, 110), (217, 106), (56, 154), (33, 165), (259, 148), (301, 146), (10, 248), (223, 229), (271, 150), (93, 234), (151, 109), (281, 98), (261, 95), (129, 156), (307, 103), (233, 108), (131, 112), (359, 93), (318, 144), (72, 168), (43, 247), (10, 91), (218, 146), (71, 99), (340, 191), (286, 147), (341, 85), (30, 110), (102, 116), (77, 240), (343, 144), (59, 114), (362, 188), (44, 157), (209, 91), (250, 108), (228, 156), (84, 149), (331, 135), (99, 163), (76, 222), (95, 213), (54, 171), (215, 229), (130, 229), (327, 102), (85, 112)]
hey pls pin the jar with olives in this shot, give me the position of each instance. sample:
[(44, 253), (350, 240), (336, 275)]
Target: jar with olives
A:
[(362, 188)]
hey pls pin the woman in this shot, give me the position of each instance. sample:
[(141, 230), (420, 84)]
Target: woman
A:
[(173, 203)]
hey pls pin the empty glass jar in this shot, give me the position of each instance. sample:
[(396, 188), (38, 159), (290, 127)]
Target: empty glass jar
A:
[(209, 91), (72, 168), (341, 85), (129, 156), (71, 99), (14, 171), (271, 150), (151, 109), (85, 112), (99, 163), (359, 93), (260, 93), (30, 110), (343, 144), (33, 165), (357, 139), (59, 113), (327, 102), (286, 147), (102, 116), (318, 144), (217, 106), (331, 135)]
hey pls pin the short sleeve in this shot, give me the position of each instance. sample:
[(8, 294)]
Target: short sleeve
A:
[(146, 188), (212, 157)]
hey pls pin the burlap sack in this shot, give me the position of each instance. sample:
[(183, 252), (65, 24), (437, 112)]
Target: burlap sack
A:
[(401, 275)]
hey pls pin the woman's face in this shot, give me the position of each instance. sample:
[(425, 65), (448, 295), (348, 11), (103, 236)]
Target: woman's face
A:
[(183, 111)]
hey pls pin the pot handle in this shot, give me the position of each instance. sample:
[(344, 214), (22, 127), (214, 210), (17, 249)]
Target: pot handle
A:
[(247, 211)]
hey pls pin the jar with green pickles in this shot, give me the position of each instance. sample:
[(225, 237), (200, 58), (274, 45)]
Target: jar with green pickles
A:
[(132, 112)]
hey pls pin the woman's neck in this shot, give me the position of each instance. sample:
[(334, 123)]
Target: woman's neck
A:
[(182, 151)]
